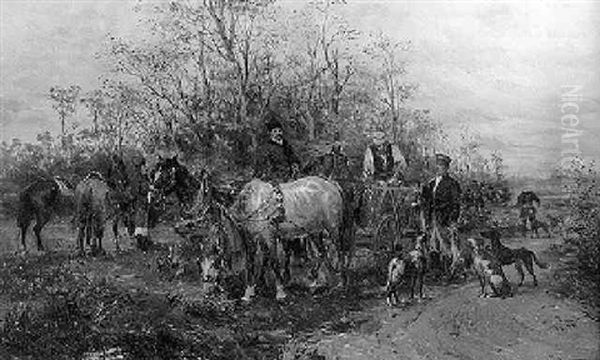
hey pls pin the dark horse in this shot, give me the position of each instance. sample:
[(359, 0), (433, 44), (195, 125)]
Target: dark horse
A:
[(203, 206), (40, 201)]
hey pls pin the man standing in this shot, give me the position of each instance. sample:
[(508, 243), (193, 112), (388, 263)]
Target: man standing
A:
[(441, 200), (526, 201), (275, 160), (383, 161)]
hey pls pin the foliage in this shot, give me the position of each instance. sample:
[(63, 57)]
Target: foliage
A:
[(74, 311), (583, 223)]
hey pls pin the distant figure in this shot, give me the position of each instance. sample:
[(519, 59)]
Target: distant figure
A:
[(383, 161), (441, 200), (527, 201), (275, 158)]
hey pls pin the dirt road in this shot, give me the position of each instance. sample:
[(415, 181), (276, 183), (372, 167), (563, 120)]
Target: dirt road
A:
[(456, 324)]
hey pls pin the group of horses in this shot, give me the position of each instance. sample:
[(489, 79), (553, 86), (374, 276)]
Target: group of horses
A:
[(261, 221), (258, 225), (115, 195)]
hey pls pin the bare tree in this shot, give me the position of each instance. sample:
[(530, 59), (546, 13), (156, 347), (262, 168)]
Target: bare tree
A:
[(64, 102)]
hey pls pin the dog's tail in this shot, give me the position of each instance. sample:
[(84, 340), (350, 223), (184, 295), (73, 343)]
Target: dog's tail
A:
[(542, 265)]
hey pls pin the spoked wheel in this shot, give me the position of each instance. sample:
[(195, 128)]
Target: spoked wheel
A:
[(388, 230)]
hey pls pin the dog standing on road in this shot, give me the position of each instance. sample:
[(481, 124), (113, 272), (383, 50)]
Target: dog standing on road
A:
[(489, 271), (520, 257), (406, 269)]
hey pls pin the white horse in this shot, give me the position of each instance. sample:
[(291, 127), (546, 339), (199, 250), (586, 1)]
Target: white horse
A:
[(273, 214)]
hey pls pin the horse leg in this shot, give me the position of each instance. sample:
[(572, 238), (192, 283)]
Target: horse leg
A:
[(529, 266), (276, 258), (256, 270), (88, 233), (519, 269), (421, 276), (115, 229), (287, 263), (41, 220), (80, 236), (23, 224), (99, 234)]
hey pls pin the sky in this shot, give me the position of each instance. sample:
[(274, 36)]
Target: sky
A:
[(502, 69)]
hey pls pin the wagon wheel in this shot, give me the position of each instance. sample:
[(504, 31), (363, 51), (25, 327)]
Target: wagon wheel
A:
[(388, 229)]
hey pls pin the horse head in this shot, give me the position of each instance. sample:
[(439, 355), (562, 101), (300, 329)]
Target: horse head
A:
[(222, 247)]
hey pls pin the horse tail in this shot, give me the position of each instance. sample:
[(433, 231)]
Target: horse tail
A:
[(539, 263)]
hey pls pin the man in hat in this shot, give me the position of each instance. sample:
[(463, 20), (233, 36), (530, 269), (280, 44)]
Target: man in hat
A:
[(383, 161), (441, 200), (275, 160)]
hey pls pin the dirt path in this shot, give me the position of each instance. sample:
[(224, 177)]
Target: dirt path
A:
[(453, 324), (457, 324)]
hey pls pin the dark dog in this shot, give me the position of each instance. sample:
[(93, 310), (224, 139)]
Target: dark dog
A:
[(406, 269), (507, 256), (489, 271), (538, 224)]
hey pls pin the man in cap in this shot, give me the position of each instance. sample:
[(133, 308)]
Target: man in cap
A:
[(383, 161), (275, 160), (441, 200)]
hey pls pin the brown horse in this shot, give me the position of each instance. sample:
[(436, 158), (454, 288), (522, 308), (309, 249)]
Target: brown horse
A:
[(272, 215), (40, 201), (97, 203)]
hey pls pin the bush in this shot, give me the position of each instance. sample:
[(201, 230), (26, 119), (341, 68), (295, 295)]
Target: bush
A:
[(583, 229)]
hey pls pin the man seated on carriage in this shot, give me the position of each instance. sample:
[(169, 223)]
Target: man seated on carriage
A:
[(275, 158), (383, 161), (440, 198)]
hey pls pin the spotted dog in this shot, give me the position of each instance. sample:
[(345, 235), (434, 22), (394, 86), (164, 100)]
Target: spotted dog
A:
[(406, 269), (489, 271)]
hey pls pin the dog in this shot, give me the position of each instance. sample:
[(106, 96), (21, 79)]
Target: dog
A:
[(489, 271), (538, 224), (520, 257), (406, 269)]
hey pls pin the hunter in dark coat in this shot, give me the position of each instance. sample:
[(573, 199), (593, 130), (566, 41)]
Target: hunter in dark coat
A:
[(441, 201), (275, 159)]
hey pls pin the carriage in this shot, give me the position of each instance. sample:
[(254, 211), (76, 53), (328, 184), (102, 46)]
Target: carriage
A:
[(391, 216)]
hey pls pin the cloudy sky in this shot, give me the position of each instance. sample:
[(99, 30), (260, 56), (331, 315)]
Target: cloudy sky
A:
[(499, 68)]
